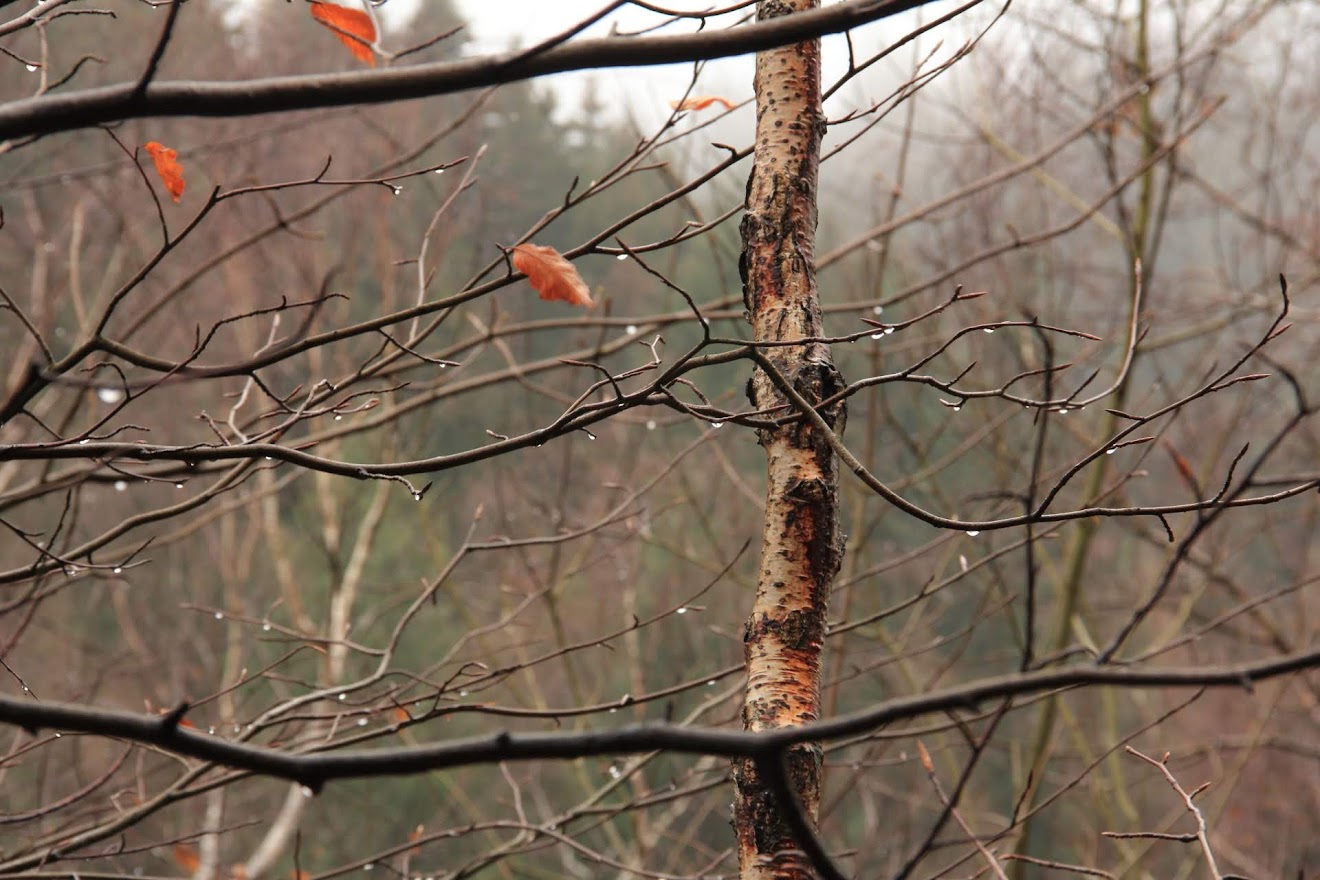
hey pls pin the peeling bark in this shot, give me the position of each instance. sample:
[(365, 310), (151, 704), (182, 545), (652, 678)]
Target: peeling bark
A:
[(802, 546)]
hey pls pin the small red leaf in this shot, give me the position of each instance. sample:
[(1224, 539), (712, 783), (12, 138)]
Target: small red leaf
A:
[(185, 856), (1184, 468), (701, 102), (924, 757), (353, 27), (168, 167), (552, 276)]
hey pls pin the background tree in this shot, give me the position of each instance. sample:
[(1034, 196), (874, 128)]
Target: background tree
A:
[(327, 547)]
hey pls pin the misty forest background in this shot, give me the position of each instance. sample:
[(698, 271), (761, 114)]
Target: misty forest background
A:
[(235, 603)]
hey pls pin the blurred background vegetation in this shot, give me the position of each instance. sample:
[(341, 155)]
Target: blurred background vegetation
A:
[(1208, 178)]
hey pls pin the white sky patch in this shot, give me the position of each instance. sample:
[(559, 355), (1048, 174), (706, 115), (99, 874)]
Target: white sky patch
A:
[(499, 25), (643, 93)]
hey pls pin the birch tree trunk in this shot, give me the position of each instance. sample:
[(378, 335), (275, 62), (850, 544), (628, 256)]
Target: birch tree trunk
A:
[(802, 546)]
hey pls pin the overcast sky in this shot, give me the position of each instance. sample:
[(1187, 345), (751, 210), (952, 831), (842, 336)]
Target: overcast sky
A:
[(495, 25)]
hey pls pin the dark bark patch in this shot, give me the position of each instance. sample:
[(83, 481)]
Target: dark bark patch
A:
[(759, 819)]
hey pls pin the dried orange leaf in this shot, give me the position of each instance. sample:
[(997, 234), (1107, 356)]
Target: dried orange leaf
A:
[(924, 757), (701, 102), (1184, 469), (353, 27), (185, 856), (167, 166), (415, 836), (553, 277)]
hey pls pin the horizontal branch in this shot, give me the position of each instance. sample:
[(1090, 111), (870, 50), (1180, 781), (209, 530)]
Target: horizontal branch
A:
[(53, 113), (167, 732)]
